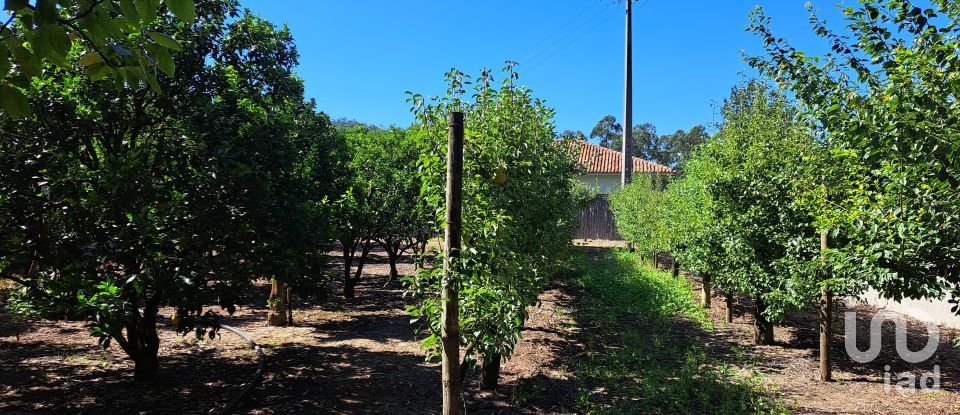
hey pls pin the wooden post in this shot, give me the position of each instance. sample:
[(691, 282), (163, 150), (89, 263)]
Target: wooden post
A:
[(450, 332), (707, 294), (729, 307), (826, 315)]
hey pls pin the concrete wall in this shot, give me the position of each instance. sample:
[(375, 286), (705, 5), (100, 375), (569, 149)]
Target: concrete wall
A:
[(936, 310), (603, 184)]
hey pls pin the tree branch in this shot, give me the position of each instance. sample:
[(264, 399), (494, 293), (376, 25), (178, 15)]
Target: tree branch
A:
[(7, 23), (6, 275), (93, 6)]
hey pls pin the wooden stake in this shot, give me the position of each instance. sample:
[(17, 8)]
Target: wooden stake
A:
[(707, 294), (729, 308), (450, 332)]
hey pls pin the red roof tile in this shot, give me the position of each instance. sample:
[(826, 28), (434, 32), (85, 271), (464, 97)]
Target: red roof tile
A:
[(601, 160)]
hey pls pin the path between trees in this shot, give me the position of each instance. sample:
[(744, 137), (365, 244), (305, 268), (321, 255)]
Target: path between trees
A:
[(364, 357)]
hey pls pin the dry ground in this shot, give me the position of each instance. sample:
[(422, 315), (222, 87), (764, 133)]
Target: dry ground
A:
[(792, 365), (363, 356)]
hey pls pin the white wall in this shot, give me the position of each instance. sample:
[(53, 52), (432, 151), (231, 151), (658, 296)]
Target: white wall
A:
[(936, 310), (603, 184)]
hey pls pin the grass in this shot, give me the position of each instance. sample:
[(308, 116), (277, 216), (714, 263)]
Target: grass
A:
[(643, 333)]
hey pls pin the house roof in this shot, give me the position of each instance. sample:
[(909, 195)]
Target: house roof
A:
[(601, 160)]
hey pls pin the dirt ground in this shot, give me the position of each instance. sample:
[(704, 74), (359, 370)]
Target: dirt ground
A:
[(363, 356), (792, 365)]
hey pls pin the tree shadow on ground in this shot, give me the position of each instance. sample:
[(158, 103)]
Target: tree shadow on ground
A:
[(804, 336), (45, 377)]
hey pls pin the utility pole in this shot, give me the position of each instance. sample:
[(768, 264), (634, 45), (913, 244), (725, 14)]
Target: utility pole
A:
[(626, 172), (450, 331)]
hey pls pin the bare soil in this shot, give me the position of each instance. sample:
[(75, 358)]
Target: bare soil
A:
[(363, 357), (792, 364)]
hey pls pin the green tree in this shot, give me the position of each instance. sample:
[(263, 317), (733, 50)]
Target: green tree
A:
[(385, 163), (120, 201), (127, 40), (518, 211), (648, 145), (572, 135), (756, 239), (884, 100), (640, 211), (609, 132), (680, 144)]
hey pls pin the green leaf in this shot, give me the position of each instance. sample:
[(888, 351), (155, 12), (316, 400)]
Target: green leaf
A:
[(45, 11), (165, 40), (27, 61), (4, 62), (147, 9), (162, 59), (14, 102), (98, 70), (89, 59), (183, 9), (130, 13)]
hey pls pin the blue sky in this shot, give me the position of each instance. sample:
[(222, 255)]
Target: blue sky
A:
[(358, 57)]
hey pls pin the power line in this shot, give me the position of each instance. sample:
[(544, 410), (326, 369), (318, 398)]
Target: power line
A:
[(557, 30), (603, 20), (567, 34)]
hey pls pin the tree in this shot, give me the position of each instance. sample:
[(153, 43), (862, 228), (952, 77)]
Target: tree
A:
[(355, 228), (385, 162), (140, 199), (518, 212), (608, 131), (572, 135), (650, 146), (640, 213), (883, 97), (754, 237), (646, 143), (122, 39), (680, 144)]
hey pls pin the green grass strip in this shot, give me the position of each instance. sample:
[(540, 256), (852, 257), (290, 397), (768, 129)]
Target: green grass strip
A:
[(644, 331)]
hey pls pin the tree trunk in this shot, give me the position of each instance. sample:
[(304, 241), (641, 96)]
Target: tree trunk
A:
[(707, 288), (393, 255), (348, 283), (142, 343), (420, 252), (145, 367), (729, 308), (763, 329), (826, 315), (350, 288), (655, 261), (826, 334), (363, 259), (277, 316), (289, 306), (676, 268), (490, 372)]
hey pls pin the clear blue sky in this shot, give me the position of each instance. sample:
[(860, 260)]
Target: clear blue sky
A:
[(358, 57)]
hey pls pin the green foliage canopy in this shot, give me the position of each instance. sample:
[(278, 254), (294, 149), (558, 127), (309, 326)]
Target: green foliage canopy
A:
[(515, 233), (885, 98)]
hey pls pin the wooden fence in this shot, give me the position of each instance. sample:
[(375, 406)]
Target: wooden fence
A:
[(596, 221)]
